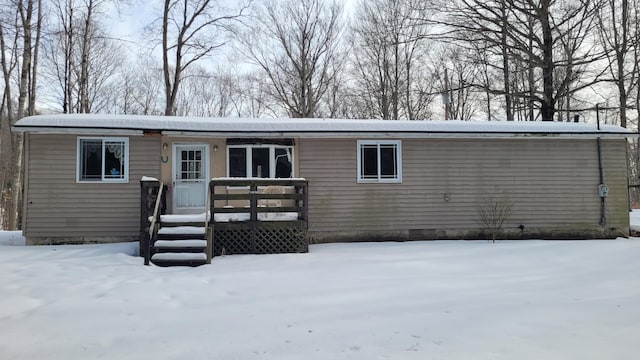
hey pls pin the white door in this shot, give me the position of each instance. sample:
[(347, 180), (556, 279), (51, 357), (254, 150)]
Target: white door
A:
[(190, 174)]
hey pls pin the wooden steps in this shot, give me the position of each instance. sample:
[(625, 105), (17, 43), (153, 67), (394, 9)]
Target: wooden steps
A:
[(182, 241)]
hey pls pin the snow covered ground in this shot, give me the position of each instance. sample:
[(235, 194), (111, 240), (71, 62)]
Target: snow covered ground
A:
[(634, 218), (414, 300)]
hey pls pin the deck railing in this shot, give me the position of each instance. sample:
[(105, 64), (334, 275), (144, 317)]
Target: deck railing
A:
[(151, 206), (208, 229), (255, 216)]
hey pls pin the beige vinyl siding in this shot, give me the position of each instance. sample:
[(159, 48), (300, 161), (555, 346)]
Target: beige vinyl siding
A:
[(551, 182), (59, 207)]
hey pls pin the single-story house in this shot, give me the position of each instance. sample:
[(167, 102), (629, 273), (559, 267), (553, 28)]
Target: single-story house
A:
[(367, 179)]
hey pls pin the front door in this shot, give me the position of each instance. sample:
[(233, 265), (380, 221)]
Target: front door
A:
[(190, 174)]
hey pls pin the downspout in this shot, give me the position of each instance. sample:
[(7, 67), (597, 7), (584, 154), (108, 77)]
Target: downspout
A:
[(602, 188)]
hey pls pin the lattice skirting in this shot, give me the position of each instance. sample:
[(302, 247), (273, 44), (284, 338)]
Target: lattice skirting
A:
[(259, 238)]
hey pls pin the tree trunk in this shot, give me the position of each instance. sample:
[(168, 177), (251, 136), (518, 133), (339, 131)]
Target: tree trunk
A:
[(67, 102), (621, 53), (547, 110), (84, 60), (6, 149), (31, 108), (165, 60), (530, 74), (505, 64), (25, 17), (16, 198)]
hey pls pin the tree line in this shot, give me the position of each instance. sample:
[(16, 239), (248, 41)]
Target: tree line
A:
[(512, 60)]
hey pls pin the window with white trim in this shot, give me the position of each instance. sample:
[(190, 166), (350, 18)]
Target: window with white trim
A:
[(379, 161), (103, 159), (261, 161)]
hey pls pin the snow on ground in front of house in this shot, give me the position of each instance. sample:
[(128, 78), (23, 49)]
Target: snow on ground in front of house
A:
[(11, 238), (634, 219), (413, 300)]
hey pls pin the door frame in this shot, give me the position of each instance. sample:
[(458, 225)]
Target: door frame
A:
[(175, 147)]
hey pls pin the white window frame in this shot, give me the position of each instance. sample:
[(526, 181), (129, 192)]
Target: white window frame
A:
[(272, 158), (103, 179), (380, 179)]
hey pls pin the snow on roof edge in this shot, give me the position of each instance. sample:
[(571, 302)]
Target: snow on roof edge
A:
[(170, 124)]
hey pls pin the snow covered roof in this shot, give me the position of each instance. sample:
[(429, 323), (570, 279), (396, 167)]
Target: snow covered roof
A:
[(309, 128)]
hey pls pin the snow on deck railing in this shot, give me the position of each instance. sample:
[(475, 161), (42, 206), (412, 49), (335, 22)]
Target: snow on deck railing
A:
[(262, 200)]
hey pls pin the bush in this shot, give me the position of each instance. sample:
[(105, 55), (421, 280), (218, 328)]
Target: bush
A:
[(492, 213)]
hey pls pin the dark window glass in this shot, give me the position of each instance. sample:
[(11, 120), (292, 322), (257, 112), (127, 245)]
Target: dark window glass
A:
[(260, 162), (91, 160), (102, 159), (283, 163), (237, 162), (369, 159), (388, 162), (114, 160)]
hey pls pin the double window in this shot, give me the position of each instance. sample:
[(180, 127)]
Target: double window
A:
[(103, 159), (260, 161), (379, 161)]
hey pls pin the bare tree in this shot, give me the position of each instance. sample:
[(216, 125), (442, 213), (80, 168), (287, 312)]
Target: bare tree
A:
[(191, 30), (20, 33), (616, 29), (205, 93), (81, 57), (147, 88), (389, 41), (546, 35), (250, 96), (295, 43), (456, 74)]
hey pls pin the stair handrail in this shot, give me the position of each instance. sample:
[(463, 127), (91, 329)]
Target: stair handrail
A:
[(156, 208), (153, 229)]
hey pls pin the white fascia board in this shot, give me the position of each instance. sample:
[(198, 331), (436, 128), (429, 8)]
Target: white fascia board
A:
[(225, 134), (77, 131), (401, 135)]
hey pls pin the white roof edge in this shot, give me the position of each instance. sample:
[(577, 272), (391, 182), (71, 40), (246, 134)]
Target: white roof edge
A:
[(77, 131), (403, 135), (308, 128)]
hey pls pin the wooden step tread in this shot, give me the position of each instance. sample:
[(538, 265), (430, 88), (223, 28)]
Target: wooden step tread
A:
[(183, 230), (195, 218), (171, 256), (187, 243)]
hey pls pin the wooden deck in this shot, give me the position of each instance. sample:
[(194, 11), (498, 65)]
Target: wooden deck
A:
[(258, 216), (246, 216)]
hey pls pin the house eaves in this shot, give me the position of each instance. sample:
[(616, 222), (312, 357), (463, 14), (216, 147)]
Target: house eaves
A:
[(309, 128)]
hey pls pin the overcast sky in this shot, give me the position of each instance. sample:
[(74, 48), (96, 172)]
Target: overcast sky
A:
[(128, 23)]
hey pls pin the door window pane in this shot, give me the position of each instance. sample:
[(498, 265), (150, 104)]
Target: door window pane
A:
[(191, 165)]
